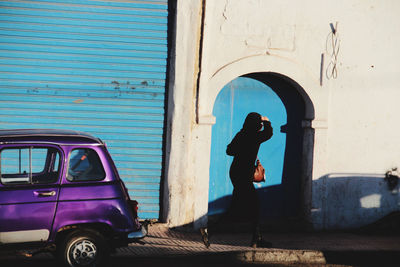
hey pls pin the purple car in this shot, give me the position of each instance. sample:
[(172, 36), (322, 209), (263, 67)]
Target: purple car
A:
[(60, 190)]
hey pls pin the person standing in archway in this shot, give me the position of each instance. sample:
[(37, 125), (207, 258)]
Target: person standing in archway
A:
[(244, 149)]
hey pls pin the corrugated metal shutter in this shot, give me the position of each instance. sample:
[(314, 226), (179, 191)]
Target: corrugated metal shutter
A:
[(95, 66)]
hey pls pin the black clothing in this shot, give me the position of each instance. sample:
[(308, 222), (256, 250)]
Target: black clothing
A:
[(245, 203), (244, 147)]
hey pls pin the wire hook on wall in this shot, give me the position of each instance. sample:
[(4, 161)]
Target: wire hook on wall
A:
[(332, 49)]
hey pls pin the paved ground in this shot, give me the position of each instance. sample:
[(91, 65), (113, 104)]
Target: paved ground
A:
[(300, 247), (336, 249)]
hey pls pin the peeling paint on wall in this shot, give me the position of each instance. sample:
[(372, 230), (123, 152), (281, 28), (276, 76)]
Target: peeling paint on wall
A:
[(78, 101)]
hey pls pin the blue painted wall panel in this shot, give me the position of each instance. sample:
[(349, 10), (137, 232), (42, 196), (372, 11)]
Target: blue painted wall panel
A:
[(94, 66)]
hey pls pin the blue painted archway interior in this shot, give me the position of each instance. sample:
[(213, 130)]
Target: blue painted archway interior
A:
[(238, 98)]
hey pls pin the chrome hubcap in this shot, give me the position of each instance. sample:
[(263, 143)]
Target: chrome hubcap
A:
[(82, 252)]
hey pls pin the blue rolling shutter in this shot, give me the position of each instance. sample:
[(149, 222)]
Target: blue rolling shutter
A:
[(94, 66)]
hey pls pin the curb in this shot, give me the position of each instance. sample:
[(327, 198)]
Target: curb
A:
[(282, 256), (270, 256)]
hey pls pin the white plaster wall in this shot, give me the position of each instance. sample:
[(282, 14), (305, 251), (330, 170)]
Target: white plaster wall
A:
[(355, 115), (179, 183), (363, 118), (364, 98)]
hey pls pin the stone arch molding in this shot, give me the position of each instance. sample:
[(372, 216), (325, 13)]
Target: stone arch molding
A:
[(211, 85), (316, 110)]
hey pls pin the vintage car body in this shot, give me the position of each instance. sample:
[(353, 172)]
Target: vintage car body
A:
[(61, 189)]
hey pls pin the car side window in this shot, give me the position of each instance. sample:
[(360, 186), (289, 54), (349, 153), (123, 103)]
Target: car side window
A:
[(85, 165), (29, 165)]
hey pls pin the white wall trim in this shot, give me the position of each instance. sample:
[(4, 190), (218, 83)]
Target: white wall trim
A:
[(210, 119), (210, 86)]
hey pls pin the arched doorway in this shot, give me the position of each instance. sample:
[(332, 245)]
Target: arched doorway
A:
[(270, 95)]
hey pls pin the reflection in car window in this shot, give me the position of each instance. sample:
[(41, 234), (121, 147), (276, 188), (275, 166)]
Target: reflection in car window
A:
[(27, 165), (85, 165)]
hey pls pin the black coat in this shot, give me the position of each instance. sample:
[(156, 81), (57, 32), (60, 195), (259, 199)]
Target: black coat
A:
[(244, 148)]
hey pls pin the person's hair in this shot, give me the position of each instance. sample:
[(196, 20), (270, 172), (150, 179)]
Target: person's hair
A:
[(252, 122)]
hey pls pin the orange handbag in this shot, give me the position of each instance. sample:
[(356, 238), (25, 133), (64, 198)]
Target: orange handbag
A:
[(259, 172)]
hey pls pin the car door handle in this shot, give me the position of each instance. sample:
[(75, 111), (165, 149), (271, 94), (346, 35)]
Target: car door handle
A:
[(45, 193)]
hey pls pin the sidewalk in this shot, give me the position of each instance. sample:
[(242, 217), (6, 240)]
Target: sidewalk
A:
[(310, 248), (289, 249)]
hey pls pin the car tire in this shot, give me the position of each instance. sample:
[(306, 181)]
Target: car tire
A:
[(83, 248)]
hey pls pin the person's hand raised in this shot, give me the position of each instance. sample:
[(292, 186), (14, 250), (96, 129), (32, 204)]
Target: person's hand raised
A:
[(264, 118)]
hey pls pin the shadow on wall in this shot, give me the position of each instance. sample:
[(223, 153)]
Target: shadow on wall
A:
[(340, 202), (348, 201)]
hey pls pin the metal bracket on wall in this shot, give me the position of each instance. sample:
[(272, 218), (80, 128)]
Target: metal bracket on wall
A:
[(392, 178)]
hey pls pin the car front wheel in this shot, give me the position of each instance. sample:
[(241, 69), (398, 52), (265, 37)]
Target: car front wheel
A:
[(83, 248)]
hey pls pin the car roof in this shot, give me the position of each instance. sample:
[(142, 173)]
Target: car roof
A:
[(57, 136)]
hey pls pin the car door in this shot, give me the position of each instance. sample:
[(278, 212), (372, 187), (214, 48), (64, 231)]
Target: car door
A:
[(29, 189)]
